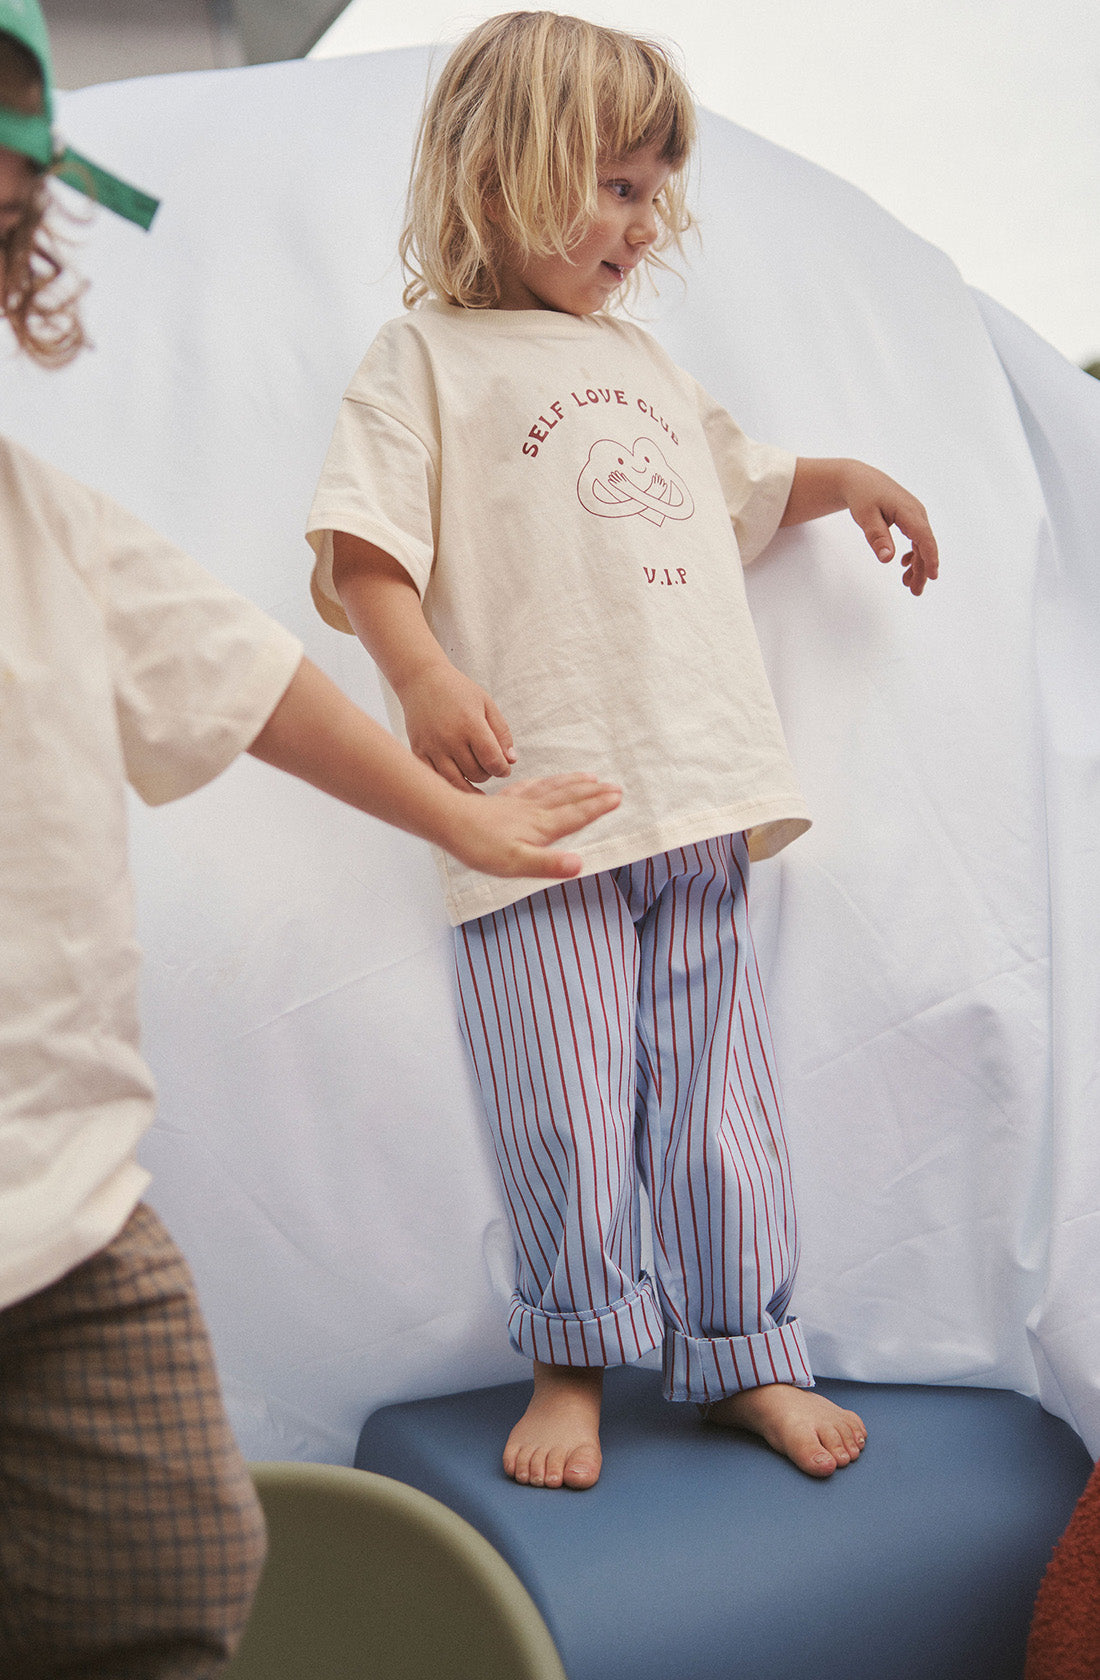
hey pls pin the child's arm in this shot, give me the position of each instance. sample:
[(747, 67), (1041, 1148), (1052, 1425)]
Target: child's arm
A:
[(315, 732), (452, 724), (875, 503)]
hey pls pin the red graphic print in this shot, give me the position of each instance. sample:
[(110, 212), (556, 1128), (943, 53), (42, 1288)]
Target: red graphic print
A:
[(617, 482)]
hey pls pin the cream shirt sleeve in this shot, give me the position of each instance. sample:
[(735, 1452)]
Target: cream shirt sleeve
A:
[(197, 669), (379, 482), (755, 477)]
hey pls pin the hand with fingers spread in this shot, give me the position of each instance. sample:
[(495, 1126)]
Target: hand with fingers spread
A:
[(876, 503), (510, 833), (454, 726)]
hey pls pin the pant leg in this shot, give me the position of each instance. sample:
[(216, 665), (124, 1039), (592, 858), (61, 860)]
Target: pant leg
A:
[(547, 991), (131, 1539), (712, 1151)]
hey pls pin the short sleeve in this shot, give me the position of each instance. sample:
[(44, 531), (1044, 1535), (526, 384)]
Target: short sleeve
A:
[(379, 482), (755, 477), (197, 669)]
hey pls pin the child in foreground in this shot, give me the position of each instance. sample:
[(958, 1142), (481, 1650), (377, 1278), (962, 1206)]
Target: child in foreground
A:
[(130, 1535), (536, 524)]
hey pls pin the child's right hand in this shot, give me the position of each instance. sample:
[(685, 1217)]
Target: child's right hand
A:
[(510, 833), (455, 727)]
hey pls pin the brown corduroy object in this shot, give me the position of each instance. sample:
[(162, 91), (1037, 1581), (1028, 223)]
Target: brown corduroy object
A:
[(1065, 1628)]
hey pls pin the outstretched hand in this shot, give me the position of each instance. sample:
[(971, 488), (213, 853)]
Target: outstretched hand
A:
[(876, 503), (512, 832)]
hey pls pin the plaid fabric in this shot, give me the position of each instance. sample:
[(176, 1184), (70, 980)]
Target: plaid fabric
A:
[(131, 1539)]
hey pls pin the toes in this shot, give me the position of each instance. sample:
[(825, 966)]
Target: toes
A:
[(582, 1469), (833, 1441), (555, 1467), (536, 1467), (807, 1449)]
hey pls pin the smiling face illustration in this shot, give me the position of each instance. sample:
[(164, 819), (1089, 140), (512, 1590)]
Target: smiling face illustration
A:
[(618, 481)]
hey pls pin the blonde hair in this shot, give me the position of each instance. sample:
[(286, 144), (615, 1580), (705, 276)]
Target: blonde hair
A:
[(45, 321), (527, 108)]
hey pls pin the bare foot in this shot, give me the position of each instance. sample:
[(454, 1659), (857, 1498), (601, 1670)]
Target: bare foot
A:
[(799, 1423), (556, 1442)]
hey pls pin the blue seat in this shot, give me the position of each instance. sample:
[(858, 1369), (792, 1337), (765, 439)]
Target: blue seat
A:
[(704, 1557)]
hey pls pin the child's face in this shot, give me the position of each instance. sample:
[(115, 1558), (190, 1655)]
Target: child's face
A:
[(624, 228), (18, 178)]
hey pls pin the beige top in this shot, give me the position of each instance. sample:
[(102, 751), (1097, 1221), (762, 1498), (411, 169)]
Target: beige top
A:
[(120, 661), (570, 506)]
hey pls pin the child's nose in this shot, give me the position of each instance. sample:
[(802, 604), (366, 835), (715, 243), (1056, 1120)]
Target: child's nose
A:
[(643, 227)]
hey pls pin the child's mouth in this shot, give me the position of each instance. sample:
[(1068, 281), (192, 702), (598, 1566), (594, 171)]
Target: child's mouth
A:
[(617, 271)]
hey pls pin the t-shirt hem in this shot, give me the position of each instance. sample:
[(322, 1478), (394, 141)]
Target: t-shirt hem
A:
[(768, 824), (87, 1232)]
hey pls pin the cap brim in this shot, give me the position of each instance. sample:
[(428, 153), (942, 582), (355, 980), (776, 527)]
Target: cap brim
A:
[(106, 189)]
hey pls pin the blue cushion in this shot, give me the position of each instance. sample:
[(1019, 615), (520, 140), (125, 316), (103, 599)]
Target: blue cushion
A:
[(701, 1556)]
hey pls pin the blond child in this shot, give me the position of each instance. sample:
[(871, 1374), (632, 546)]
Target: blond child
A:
[(130, 1536), (536, 524)]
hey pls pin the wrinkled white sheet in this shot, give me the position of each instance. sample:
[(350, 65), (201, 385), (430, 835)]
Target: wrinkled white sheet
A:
[(930, 947)]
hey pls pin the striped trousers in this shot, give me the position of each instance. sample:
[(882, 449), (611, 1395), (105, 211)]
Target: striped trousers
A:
[(619, 1036)]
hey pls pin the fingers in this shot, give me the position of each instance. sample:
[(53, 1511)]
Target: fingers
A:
[(467, 756), (554, 866), (567, 818), (556, 821), (502, 736), (515, 833), (877, 532), (456, 728), (921, 564), (553, 791)]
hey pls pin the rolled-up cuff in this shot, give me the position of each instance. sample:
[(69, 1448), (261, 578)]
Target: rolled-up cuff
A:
[(615, 1335), (701, 1369)]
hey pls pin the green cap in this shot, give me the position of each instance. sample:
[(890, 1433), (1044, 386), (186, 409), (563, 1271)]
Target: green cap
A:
[(34, 137)]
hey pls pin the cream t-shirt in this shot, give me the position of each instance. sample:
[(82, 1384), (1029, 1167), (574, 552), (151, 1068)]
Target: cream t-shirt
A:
[(120, 661), (570, 506)]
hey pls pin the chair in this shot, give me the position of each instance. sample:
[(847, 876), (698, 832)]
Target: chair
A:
[(368, 1577)]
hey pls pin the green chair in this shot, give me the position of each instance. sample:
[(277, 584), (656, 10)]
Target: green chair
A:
[(366, 1577)]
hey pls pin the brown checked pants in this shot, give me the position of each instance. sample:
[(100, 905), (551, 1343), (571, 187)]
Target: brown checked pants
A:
[(130, 1536)]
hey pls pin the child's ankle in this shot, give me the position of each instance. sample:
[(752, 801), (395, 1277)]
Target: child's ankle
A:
[(579, 1377)]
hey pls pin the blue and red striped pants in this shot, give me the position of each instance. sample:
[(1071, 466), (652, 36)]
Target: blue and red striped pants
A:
[(618, 1031)]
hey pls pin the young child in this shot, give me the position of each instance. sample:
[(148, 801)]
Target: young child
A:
[(536, 524), (130, 1537)]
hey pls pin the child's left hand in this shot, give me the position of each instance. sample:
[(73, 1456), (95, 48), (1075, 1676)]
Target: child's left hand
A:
[(875, 502)]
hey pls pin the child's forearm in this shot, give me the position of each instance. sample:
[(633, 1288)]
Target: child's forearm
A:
[(452, 724), (316, 733), (875, 501), (384, 610)]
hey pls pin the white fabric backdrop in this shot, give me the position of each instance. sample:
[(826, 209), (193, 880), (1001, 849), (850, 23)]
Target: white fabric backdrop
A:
[(930, 947)]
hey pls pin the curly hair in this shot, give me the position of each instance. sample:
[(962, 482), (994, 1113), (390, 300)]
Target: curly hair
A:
[(511, 141), (42, 306)]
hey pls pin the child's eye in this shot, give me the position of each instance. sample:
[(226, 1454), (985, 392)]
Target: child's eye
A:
[(621, 189)]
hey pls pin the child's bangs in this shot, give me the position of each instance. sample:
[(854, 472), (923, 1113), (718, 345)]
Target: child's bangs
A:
[(642, 101)]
